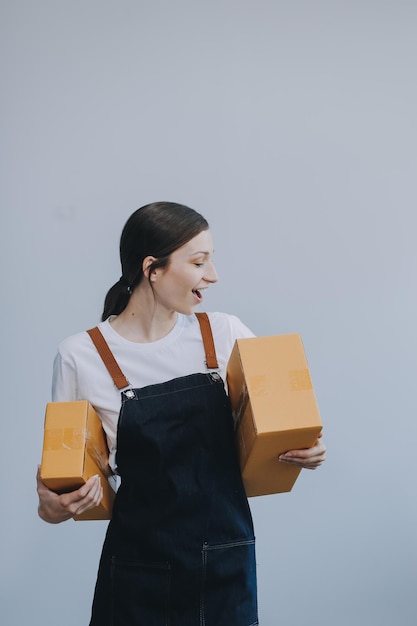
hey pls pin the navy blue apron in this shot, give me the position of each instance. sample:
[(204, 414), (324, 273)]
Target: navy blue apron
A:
[(180, 548)]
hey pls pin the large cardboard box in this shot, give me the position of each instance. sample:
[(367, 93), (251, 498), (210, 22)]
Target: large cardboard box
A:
[(274, 408), (74, 449)]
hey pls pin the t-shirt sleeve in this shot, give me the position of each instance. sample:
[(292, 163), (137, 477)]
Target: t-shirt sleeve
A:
[(238, 329), (64, 381)]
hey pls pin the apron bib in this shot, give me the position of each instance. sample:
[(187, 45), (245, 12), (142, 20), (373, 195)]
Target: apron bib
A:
[(180, 548)]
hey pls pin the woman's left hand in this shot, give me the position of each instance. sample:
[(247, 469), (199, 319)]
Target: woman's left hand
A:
[(310, 458)]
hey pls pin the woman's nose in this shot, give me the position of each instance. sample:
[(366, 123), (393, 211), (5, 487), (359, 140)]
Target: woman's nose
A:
[(210, 274)]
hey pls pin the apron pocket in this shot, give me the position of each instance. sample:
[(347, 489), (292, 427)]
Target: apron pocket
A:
[(229, 584), (140, 593)]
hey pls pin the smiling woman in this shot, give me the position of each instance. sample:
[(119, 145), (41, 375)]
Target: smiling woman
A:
[(180, 547)]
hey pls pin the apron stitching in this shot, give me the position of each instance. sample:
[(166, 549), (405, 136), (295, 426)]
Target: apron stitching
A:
[(168, 393), (112, 574), (232, 544), (168, 596), (203, 580)]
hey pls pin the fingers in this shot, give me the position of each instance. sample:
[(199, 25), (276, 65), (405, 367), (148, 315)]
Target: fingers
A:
[(92, 498), (84, 498), (309, 458)]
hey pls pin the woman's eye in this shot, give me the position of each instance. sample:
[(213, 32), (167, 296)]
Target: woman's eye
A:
[(199, 264)]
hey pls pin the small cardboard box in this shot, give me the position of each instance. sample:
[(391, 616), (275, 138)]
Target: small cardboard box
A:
[(274, 409), (74, 449)]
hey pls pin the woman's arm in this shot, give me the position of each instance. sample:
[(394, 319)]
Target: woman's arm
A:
[(55, 508)]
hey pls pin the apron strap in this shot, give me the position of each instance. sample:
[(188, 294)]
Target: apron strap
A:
[(206, 333), (109, 361), (116, 373)]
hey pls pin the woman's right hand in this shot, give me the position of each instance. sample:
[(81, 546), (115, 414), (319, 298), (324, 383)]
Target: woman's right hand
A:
[(55, 508)]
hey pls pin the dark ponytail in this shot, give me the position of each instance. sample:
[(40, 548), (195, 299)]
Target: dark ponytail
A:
[(116, 299), (156, 230)]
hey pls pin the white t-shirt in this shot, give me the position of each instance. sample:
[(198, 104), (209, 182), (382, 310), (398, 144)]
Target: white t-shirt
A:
[(80, 374)]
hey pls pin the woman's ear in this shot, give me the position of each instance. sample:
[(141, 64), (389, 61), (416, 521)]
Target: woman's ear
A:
[(146, 266)]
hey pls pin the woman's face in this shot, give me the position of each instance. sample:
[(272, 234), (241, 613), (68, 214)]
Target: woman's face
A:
[(180, 286)]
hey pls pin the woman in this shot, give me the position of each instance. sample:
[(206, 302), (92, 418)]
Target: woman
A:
[(179, 549)]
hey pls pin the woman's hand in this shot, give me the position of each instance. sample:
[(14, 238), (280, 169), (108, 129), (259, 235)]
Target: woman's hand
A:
[(55, 508), (310, 458)]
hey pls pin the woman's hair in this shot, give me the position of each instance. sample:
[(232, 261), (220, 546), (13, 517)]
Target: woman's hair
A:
[(157, 230)]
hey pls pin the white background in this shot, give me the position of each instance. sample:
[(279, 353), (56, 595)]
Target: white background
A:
[(291, 125)]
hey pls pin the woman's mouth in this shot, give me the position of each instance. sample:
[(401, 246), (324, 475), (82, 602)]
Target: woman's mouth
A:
[(198, 294)]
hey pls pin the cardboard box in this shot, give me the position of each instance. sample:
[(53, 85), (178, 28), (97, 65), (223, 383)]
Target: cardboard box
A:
[(74, 449), (274, 409)]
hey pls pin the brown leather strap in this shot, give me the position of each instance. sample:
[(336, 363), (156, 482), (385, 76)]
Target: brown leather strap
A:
[(116, 373), (109, 361), (206, 333)]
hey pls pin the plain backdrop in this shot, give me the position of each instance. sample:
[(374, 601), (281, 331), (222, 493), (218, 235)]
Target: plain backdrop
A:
[(291, 125)]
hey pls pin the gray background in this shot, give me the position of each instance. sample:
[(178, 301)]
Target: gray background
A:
[(292, 126)]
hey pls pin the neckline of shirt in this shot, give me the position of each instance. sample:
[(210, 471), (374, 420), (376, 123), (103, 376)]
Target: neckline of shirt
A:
[(112, 336)]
